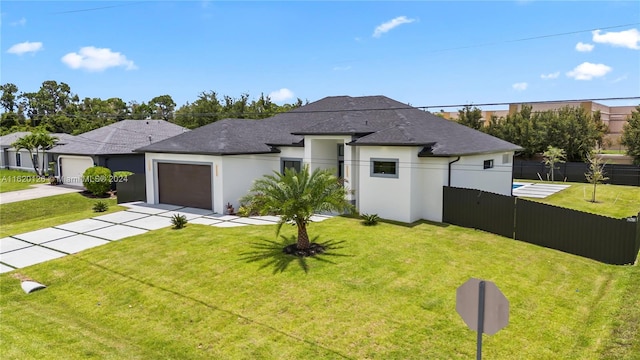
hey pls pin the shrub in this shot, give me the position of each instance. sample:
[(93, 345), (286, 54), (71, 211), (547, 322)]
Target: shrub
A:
[(121, 175), (178, 221), (100, 206), (370, 219), (97, 180)]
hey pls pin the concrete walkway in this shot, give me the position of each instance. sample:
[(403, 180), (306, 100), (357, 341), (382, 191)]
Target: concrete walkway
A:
[(537, 190), (35, 192), (22, 250)]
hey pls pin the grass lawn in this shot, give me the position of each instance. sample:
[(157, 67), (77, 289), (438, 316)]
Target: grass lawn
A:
[(29, 215), (616, 201), (12, 180), (381, 292)]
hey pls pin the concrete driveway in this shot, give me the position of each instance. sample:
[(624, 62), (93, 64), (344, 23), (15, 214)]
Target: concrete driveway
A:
[(35, 192), (22, 250)]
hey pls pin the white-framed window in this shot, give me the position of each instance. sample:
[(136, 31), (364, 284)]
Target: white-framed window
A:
[(488, 164), (18, 159), (290, 163), (387, 168)]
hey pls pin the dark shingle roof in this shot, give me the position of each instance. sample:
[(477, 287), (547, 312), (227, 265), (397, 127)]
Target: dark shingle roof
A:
[(371, 120), (7, 140), (119, 138)]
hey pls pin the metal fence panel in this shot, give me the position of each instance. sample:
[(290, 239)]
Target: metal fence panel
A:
[(574, 172), (479, 210), (608, 240), (134, 189)]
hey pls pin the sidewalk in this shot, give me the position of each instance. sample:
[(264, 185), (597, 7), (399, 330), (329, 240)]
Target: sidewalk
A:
[(35, 192), (22, 250)]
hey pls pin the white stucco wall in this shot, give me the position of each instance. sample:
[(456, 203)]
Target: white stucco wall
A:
[(388, 197), (428, 184), (469, 173), (238, 173)]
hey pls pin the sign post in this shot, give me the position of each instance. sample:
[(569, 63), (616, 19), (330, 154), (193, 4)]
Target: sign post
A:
[(483, 308)]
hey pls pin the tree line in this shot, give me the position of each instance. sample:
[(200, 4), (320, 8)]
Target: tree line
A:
[(55, 108), (573, 129)]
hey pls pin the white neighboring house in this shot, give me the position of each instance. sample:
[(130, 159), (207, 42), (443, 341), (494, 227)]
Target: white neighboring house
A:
[(20, 160), (395, 158)]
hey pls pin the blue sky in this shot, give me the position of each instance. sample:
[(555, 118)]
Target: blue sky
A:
[(421, 52)]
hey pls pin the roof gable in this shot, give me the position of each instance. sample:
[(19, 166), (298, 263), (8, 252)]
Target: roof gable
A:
[(119, 138), (371, 120)]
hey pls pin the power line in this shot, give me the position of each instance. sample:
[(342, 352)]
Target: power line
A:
[(531, 38)]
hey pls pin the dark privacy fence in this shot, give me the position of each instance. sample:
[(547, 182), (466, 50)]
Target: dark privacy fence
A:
[(574, 172), (609, 240), (134, 189)]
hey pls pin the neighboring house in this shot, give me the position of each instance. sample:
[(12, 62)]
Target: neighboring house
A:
[(110, 146), (20, 160), (395, 158)]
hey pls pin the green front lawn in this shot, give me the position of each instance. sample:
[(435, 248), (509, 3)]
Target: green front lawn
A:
[(29, 215), (381, 292), (611, 200), (13, 180)]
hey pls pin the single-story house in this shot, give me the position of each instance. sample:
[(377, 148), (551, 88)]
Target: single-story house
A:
[(395, 158), (110, 146), (20, 160)]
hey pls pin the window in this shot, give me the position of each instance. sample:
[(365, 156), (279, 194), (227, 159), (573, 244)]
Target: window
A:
[(488, 164), (35, 159), (384, 168), (289, 163), (18, 160)]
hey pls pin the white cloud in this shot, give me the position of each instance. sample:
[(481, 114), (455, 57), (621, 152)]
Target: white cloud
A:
[(21, 22), (620, 78), (587, 71), (582, 47), (281, 95), (550, 75), (341, 68), (627, 38), (521, 86), (97, 59), (389, 25), (25, 47)]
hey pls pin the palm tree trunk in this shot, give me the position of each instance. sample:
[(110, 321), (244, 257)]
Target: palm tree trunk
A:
[(303, 237)]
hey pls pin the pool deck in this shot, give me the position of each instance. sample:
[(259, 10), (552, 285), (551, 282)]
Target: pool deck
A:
[(537, 190)]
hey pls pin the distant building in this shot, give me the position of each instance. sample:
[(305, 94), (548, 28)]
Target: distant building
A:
[(613, 116)]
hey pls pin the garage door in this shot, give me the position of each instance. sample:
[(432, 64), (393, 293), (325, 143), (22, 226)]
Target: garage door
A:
[(185, 184), (72, 169)]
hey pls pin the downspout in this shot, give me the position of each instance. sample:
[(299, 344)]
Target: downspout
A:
[(451, 163)]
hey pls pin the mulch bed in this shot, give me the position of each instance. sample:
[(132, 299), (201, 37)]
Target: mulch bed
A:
[(314, 249)]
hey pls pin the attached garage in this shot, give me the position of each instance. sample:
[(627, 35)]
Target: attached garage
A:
[(72, 168), (185, 185)]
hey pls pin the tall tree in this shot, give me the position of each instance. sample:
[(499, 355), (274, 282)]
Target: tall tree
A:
[(162, 107), (470, 117), (295, 197), (631, 135), (8, 98)]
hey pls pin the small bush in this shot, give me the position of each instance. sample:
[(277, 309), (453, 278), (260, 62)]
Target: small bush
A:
[(100, 206), (178, 221), (370, 219), (97, 180), (120, 176)]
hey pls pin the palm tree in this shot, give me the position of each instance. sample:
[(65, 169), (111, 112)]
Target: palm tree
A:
[(296, 196), (44, 141), (28, 142)]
